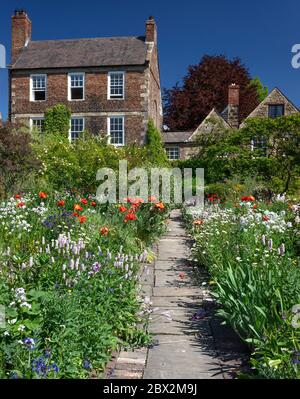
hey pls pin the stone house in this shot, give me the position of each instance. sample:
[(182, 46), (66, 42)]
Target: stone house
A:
[(111, 85), (183, 145)]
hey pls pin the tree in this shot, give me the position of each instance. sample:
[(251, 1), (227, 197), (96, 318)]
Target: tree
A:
[(156, 152), (268, 149), (205, 87), (262, 91), (57, 120)]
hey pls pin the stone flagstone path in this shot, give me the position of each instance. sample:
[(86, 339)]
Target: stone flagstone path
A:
[(190, 341)]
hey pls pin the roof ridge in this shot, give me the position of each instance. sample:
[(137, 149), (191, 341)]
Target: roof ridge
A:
[(86, 38)]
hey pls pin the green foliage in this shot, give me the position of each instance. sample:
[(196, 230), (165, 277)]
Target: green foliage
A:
[(71, 291), (75, 164), (262, 91), (230, 154), (251, 253), (57, 120), (155, 150)]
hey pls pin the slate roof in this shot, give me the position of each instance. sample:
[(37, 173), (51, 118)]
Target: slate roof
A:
[(176, 137), (109, 51)]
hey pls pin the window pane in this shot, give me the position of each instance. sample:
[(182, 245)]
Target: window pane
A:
[(77, 126), (39, 87), (77, 93), (116, 130), (39, 95), (38, 124), (172, 152), (276, 110), (116, 85)]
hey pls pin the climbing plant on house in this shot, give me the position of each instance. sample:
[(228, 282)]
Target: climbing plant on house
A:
[(57, 120)]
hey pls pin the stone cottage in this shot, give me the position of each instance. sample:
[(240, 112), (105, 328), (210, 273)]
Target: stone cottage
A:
[(111, 84), (183, 145)]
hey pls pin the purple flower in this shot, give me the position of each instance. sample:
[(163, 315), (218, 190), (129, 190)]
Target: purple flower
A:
[(200, 314), (29, 343)]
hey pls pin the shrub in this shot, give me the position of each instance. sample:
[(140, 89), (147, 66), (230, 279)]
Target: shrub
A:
[(155, 150), (18, 162)]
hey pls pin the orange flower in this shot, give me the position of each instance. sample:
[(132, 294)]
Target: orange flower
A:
[(20, 204), (84, 201), (17, 196), (122, 209), (43, 195), (82, 219), (78, 208), (93, 203), (61, 203), (160, 206), (104, 231), (198, 222)]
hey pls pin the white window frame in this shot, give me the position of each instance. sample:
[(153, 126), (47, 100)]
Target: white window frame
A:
[(169, 147), (69, 85), (70, 131), (36, 118), (109, 95), (108, 130), (31, 86)]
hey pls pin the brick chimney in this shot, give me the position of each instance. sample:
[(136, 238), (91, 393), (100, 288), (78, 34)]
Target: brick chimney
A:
[(233, 105), (151, 31), (21, 33)]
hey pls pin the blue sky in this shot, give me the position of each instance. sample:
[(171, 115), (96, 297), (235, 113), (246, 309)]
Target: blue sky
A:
[(261, 33)]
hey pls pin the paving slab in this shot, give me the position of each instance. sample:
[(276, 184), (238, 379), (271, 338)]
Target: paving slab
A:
[(180, 355), (175, 264), (173, 278), (176, 291), (180, 324), (177, 301)]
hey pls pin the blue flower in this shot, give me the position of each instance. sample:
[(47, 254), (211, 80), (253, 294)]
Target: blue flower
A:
[(87, 365)]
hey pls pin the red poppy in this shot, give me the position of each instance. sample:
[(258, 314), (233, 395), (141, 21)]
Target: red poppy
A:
[(249, 198), (84, 201), (61, 203), (130, 216), (122, 209), (75, 215), (43, 195), (78, 208), (93, 203), (181, 275), (104, 231), (82, 219), (266, 218), (20, 204), (17, 196), (255, 206)]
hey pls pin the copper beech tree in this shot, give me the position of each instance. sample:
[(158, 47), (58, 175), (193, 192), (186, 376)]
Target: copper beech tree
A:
[(205, 87)]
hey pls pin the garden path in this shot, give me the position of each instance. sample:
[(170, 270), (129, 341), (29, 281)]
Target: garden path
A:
[(190, 341)]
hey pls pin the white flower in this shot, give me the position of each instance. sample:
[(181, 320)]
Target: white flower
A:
[(21, 327)]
